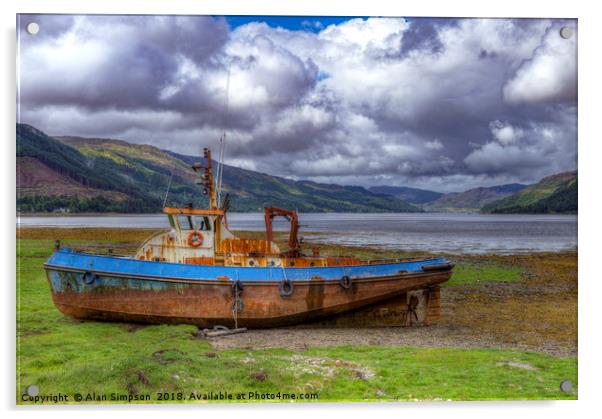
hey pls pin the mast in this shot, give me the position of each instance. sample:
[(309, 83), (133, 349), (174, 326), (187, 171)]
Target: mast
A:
[(208, 185), (207, 178)]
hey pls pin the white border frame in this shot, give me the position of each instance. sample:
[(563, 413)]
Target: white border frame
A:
[(589, 192)]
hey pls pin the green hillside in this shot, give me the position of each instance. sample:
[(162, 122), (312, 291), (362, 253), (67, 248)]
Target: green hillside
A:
[(103, 185), (113, 175), (553, 194), (472, 200)]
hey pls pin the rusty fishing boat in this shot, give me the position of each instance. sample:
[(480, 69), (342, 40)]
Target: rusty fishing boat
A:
[(198, 272)]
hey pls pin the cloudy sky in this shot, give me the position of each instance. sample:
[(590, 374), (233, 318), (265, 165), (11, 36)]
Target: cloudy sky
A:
[(441, 104)]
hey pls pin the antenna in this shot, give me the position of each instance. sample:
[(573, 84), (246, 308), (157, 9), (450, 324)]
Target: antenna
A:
[(168, 187), (222, 141)]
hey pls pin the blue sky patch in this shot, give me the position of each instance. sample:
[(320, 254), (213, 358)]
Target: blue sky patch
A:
[(293, 23)]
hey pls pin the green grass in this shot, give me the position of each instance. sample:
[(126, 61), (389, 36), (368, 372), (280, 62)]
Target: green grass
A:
[(62, 355), (468, 272)]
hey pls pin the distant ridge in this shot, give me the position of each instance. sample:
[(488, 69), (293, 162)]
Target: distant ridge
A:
[(552, 194), (411, 195), (78, 174), (474, 199)]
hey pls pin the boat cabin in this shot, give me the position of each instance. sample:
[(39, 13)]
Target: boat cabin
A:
[(201, 237)]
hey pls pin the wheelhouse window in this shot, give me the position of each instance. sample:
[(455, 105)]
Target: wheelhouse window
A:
[(202, 223), (192, 222), (185, 222)]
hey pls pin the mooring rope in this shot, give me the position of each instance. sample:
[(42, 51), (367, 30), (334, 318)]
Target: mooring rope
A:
[(237, 289)]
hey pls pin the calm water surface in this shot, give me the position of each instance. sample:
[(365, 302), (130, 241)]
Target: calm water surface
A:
[(454, 233)]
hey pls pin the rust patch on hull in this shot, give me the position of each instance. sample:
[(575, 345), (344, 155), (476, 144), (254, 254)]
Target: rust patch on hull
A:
[(315, 297), (200, 261), (207, 305)]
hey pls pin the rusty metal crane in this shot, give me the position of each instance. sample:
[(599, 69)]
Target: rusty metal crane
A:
[(294, 246)]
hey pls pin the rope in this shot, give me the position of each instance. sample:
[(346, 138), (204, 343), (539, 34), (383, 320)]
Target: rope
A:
[(168, 187), (283, 271), (237, 288), (235, 309), (220, 167)]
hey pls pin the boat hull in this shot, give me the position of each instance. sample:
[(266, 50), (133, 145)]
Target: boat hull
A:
[(86, 292)]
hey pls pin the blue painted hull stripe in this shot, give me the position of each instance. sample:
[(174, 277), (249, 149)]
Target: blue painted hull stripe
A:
[(57, 269), (68, 259)]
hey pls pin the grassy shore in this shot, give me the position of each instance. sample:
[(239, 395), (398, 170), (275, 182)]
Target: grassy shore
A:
[(520, 312)]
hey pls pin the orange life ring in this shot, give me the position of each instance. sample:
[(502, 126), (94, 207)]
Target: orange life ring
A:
[(199, 238)]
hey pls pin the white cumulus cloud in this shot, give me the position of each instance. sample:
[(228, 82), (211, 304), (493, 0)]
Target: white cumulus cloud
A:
[(550, 74)]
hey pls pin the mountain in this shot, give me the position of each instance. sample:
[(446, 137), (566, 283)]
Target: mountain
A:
[(53, 176), (254, 191), (87, 174), (472, 200), (411, 195), (552, 194)]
